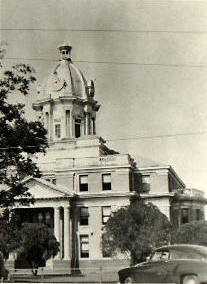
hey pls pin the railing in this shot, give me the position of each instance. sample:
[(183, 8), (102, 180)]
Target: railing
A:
[(71, 163)]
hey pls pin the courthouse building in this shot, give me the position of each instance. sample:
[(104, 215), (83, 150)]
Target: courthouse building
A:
[(84, 181)]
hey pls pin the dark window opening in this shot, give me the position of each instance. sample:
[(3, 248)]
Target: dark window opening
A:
[(67, 123), (198, 214), (83, 183), (57, 130), (184, 215), (84, 216), (77, 128), (106, 181)]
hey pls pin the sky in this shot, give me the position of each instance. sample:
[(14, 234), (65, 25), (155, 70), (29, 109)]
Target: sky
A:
[(149, 63)]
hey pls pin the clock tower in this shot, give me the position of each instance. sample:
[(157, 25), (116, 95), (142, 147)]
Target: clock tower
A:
[(67, 106)]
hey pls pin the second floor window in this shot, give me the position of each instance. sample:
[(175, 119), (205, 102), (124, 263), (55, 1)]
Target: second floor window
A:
[(184, 215), (145, 183), (83, 181), (198, 214), (84, 216), (106, 181), (57, 131)]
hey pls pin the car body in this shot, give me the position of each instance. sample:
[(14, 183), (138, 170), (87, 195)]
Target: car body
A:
[(181, 264)]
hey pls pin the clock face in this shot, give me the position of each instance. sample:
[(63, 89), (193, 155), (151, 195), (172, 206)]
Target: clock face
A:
[(58, 83)]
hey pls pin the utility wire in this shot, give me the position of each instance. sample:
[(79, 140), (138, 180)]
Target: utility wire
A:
[(103, 30), (112, 62), (159, 136), (130, 138)]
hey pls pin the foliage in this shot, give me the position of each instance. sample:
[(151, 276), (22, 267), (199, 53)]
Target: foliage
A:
[(136, 230), (37, 243), (9, 233), (194, 232), (19, 138)]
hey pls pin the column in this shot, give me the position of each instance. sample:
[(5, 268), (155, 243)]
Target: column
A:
[(67, 233), (57, 226), (87, 124), (51, 123), (71, 125)]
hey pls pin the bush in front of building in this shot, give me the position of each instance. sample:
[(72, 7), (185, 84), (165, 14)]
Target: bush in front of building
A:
[(194, 232), (136, 230), (37, 244)]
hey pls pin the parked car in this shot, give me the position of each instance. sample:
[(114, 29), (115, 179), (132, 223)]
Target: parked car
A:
[(181, 264)]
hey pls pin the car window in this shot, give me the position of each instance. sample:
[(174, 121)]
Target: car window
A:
[(160, 255), (180, 254)]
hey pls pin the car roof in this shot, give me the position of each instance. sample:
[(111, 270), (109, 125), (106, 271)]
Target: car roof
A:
[(185, 247)]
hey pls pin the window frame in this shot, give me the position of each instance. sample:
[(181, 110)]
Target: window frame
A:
[(106, 185), (84, 253), (58, 130), (105, 215), (182, 217), (83, 186), (83, 218)]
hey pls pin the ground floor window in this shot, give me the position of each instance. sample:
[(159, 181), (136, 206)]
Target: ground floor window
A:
[(84, 246), (106, 212)]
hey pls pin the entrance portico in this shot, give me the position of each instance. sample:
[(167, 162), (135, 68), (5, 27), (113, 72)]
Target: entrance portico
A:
[(52, 206)]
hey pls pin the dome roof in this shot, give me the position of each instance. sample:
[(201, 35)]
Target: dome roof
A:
[(66, 79)]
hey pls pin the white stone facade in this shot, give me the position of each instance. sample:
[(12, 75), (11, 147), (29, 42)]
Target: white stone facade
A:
[(83, 180)]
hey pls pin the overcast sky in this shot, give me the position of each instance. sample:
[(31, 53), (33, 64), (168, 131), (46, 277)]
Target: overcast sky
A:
[(149, 62)]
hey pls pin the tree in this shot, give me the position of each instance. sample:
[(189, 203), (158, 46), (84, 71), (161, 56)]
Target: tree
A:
[(136, 230), (194, 232), (19, 138), (37, 244)]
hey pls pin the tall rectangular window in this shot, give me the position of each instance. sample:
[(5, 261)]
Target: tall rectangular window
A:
[(47, 121), (198, 214), (106, 212), (84, 216), (83, 182), (106, 181), (84, 246), (77, 128), (145, 183), (184, 215), (57, 131), (67, 123)]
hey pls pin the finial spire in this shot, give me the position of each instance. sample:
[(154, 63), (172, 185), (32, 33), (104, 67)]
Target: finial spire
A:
[(65, 50)]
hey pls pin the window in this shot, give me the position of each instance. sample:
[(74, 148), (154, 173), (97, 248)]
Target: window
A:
[(106, 212), (184, 215), (77, 128), (94, 125), (57, 131), (52, 180), (106, 181), (146, 183), (198, 214), (84, 246), (47, 118), (67, 123), (106, 250), (83, 180), (146, 179), (84, 216)]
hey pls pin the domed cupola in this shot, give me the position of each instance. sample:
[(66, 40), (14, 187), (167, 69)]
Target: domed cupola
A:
[(66, 100), (65, 79)]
